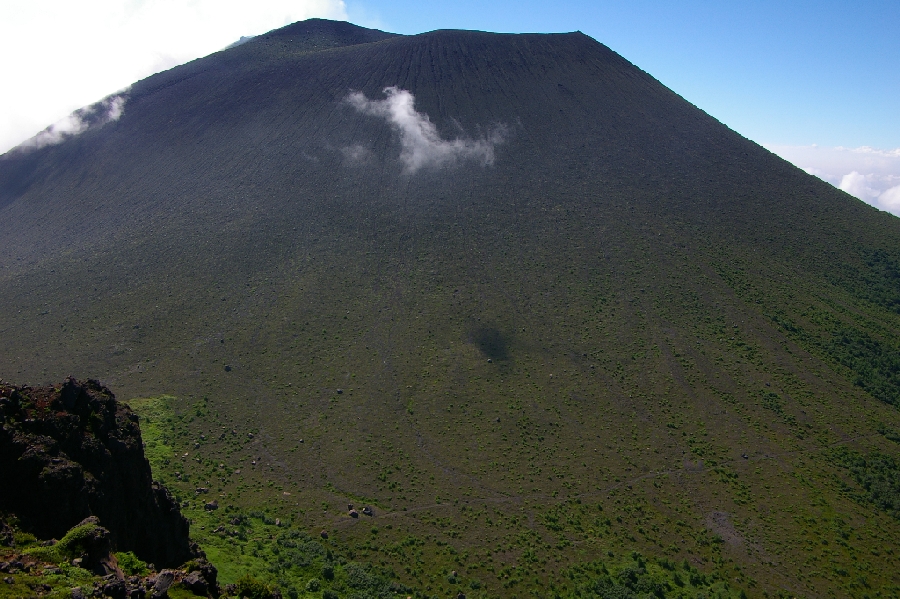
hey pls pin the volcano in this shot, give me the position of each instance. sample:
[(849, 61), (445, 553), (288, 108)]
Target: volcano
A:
[(531, 305)]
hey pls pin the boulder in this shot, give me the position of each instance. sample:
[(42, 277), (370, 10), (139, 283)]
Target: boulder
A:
[(161, 586), (196, 583)]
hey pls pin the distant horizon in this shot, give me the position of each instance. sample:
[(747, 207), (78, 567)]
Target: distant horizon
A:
[(790, 78)]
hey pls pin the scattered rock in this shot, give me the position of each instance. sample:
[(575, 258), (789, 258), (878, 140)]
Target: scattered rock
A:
[(323, 534), (196, 583), (368, 511), (115, 589), (339, 391), (163, 581), (209, 572), (354, 514), (211, 505)]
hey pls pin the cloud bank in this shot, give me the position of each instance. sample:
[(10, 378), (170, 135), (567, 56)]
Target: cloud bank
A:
[(870, 174), (60, 55), (90, 117), (421, 144)]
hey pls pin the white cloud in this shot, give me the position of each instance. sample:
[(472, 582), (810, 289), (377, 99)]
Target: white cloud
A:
[(420, 142), (60, 55), (870, 174), (891, 199), (855, 184), (105, 111)]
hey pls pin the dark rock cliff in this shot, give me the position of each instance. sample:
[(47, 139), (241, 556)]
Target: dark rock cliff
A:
[(70, 452)]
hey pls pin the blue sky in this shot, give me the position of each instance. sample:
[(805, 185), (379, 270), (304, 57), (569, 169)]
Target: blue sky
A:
[(817, 82), (786, 72)]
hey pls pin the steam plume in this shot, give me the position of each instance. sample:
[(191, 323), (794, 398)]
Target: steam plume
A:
[(421, 145), (96, 115)]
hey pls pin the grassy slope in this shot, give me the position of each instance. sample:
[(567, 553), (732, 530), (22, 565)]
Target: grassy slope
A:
[(657, 298), (268, 545)]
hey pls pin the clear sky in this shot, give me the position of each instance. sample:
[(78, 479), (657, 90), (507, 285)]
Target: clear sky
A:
[(816, 81)]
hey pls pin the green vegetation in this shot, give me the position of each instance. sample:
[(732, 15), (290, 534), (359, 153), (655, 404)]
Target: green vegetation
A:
[(74, 544), (57, 578), (253, 549), (274, 543), (636, 578), (251, 588), (59, 581), (877, 473), (877, 280), (130, 564)]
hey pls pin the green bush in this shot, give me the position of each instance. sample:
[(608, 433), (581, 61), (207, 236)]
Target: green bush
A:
[(74, 544), (637, 578), (251, 588), (131, 564), (23, 539), (878, 474), (76, 541)]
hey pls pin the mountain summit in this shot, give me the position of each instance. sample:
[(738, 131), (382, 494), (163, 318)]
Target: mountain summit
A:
[(510, 290)]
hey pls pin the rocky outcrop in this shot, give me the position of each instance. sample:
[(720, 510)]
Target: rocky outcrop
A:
[(71, 452)]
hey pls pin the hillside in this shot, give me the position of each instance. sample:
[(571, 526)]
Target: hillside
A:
[(577, 318)]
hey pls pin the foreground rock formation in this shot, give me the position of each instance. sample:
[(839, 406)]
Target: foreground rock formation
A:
[(71, 452)]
